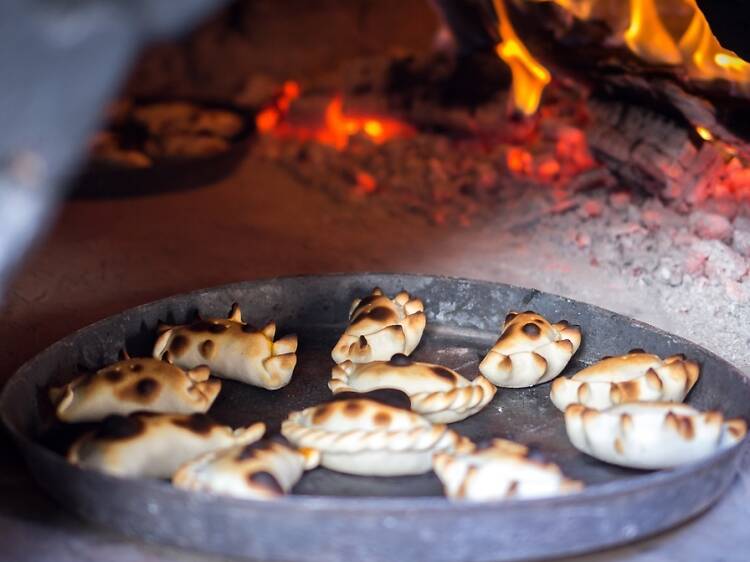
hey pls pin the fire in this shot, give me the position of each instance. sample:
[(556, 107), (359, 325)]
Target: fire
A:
[(705, 58), (647, 37), (337, 127), (529, 77)]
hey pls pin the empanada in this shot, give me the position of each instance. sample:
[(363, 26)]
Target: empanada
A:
[(132, 385), (650, 435), (263, 470), (380, 327), (530, 351), (504, 470), (231, 349), (634, 377), (357, 434), (155, 445), (439, 394)]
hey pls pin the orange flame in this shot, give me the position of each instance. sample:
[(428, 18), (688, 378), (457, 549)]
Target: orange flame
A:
[(529, 77), (647, 37), (705, 58)]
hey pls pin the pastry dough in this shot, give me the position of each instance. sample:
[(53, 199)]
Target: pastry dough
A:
[(231, 349), (504, 470), (356, 434), (154, 445), (439, 394), (635, 377), (530, 350), (263, 470), (650, 435), (380, 327), (131, 385)]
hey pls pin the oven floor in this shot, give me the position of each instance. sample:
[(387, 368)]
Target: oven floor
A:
[(101, 257)]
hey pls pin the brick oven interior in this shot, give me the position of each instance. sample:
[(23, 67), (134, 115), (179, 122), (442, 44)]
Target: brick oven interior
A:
[(465, 189)]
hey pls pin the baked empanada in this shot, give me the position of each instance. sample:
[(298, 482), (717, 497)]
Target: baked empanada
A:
[(231, 349), (357, 434), (132, 385), (439, 394), (634, 377), (263, 470), (504, 470), (155, 445), (380, 327), (530, 351), (650, 435)]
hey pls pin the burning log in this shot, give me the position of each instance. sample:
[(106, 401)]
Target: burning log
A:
[(664, 110)]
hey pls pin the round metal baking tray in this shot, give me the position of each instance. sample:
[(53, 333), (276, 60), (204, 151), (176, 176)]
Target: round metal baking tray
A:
[(336, 517)]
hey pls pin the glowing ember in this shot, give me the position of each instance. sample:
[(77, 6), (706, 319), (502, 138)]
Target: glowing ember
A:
[(519, 161), (704, 133), (529, 77), (269, 117), (366, 183), (337, 127)]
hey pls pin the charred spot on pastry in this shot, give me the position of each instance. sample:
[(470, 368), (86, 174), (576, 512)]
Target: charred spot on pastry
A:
[(631, 389), (386, 396), (362, 341), (365, 302), (400, 360), (119, 427), (179, 345), (382, 418), (265, 480), (635, 350), (136, 367), (146, 387), (322, 412), (197, 423), (510, 316), (531, 329), (686, 428), (249, 329), (206, 326), (380, 313), (207, 349), (443, 373), (353, 408), (113, 375), (604, 358), (512, 489)]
